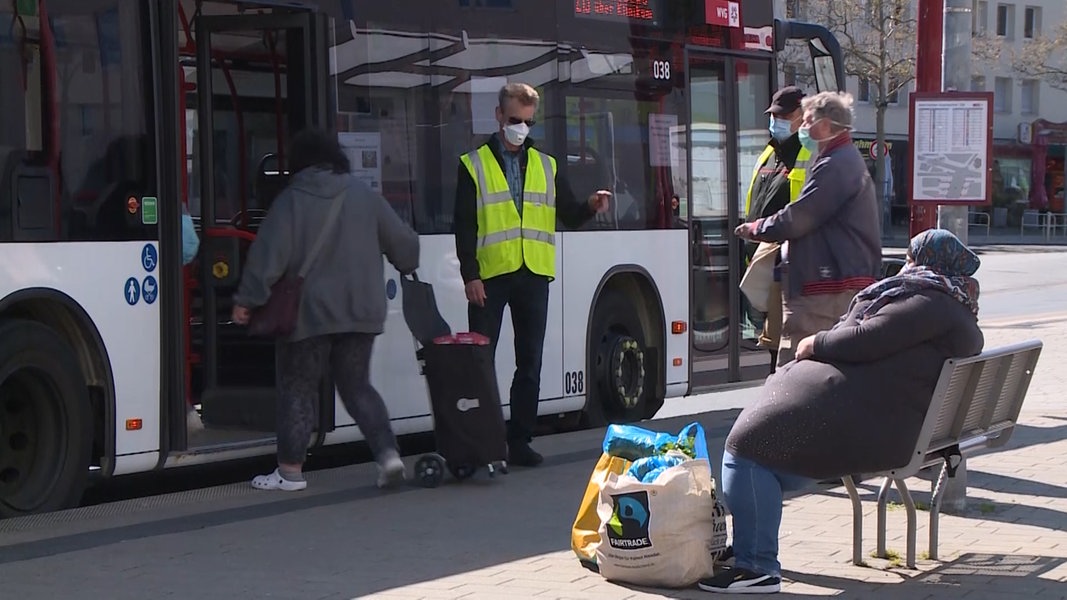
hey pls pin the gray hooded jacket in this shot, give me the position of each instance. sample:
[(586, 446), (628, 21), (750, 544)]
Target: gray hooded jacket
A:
[(344, 289)]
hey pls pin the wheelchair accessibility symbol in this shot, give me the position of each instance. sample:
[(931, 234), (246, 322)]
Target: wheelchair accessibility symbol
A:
[(149, 258)]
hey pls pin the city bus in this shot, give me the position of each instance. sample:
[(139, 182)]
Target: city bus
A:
[(118, 117)]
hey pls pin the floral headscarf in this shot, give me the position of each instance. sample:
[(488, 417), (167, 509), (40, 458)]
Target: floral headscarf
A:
[(939, 260)]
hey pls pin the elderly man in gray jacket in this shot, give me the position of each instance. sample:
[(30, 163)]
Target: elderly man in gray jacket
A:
[(831, 238)]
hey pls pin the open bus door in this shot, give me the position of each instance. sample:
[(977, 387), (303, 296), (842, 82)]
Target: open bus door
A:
[(722, 142), (260, 78)]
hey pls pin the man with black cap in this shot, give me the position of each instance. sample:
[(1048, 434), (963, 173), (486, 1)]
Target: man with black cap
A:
[(777, 179)]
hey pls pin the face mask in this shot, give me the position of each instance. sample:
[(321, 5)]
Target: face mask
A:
[(516, 134), (780, 129), (809, 143)]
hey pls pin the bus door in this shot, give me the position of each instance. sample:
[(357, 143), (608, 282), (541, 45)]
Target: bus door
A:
[(726, 135), (710, 145), (259, 78)]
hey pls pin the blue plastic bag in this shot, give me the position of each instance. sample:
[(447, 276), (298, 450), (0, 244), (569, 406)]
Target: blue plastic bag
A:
[(632, 443), (648, 469)]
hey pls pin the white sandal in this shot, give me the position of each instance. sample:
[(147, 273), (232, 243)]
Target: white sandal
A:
[(275, 481)]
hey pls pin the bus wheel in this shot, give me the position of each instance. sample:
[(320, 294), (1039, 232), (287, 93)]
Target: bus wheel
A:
[(45, 421), (618, 388)]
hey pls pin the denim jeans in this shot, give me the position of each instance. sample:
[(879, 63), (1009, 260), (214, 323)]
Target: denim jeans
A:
[(753, 494)]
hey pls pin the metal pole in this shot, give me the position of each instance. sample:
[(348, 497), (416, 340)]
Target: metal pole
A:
[(956, 75), (930, 32)]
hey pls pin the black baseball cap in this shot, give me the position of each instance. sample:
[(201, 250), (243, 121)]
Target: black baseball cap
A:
[(785, 100)]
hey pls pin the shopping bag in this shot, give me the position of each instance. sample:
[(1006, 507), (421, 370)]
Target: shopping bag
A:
[(757, 280), (420, 310), (658, 533), (585, 533)]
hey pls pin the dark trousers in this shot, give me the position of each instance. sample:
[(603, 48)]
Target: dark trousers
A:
[(527, 295), (301, 366)]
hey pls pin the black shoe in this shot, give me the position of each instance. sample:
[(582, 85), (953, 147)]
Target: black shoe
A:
[(523, 455), (741, 581)]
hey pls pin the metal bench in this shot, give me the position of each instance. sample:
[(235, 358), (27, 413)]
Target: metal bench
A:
[(975, 405)]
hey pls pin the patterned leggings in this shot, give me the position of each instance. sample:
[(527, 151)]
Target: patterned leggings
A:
[(301, 366)]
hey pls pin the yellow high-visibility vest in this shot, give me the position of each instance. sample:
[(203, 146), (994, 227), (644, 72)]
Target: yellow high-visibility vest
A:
[(797, 175), (506, 241)]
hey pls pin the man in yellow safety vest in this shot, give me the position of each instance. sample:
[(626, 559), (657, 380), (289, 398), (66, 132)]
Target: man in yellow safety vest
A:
[(777, 179), (507, 197)]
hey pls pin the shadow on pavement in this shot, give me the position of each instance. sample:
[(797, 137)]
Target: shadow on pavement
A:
[(353, 541), (990, 574)]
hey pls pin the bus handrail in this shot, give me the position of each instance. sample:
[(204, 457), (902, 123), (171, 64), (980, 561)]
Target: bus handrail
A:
[(226, 232)]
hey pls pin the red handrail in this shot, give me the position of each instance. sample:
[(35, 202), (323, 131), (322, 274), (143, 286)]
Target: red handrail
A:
[(226, 232)]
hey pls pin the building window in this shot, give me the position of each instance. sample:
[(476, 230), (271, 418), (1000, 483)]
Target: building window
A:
[(1032, 22), (894, 96), (978, 83), (1005, 21), (1030, 90), (863, 90), (1002, 95), (980, 17)]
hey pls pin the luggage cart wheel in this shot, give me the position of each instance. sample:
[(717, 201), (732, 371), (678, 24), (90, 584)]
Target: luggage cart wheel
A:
[(430, 470), (462, 472)]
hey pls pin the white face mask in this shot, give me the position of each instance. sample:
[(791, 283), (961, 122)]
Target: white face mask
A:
[(516, 134)]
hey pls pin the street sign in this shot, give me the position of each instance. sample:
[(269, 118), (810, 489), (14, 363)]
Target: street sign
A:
[(951, 135)]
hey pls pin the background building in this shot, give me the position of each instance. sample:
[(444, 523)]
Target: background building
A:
[(1030, 114)]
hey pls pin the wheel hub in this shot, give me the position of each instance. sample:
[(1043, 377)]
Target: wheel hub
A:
[(627, 371)]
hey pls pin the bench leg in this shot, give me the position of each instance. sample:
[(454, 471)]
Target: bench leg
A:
[(857, 520), (909, 505), (883, 499), (935, 509)]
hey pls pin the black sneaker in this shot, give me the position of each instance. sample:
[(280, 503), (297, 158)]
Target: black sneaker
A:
[(741, 581), (523, 455)]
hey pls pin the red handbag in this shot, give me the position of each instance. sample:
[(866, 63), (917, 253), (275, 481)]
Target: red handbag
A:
[(277, 318)]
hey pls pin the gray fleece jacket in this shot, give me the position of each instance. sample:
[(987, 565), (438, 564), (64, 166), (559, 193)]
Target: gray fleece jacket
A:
[(344, 289)]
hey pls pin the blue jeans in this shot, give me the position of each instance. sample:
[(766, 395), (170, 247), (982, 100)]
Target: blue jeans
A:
[(753, 494)]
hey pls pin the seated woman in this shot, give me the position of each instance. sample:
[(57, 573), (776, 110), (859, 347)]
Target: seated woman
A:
[(852, 401)]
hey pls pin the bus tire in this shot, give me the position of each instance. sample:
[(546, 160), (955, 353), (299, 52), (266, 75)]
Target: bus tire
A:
[(45, 421), (619, 385)]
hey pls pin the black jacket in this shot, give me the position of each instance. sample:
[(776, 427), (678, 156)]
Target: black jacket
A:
[(569, 210), (859, 402), (770, 190)]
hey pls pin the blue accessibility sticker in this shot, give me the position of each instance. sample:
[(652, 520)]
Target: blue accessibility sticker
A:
[(132, 291), (149, 257), (149, 290)]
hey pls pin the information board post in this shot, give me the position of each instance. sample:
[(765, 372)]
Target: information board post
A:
[(956, 75), (951, 149), (930, 33)]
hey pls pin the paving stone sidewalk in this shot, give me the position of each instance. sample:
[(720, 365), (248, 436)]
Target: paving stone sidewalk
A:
[(509, 539), (1010, 543)]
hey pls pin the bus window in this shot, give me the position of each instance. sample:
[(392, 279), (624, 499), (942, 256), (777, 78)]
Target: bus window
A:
[(380, 108), (108, 152), (619, 139)]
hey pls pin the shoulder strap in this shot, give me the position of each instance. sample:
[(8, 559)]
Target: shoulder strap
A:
[(328, 226)]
